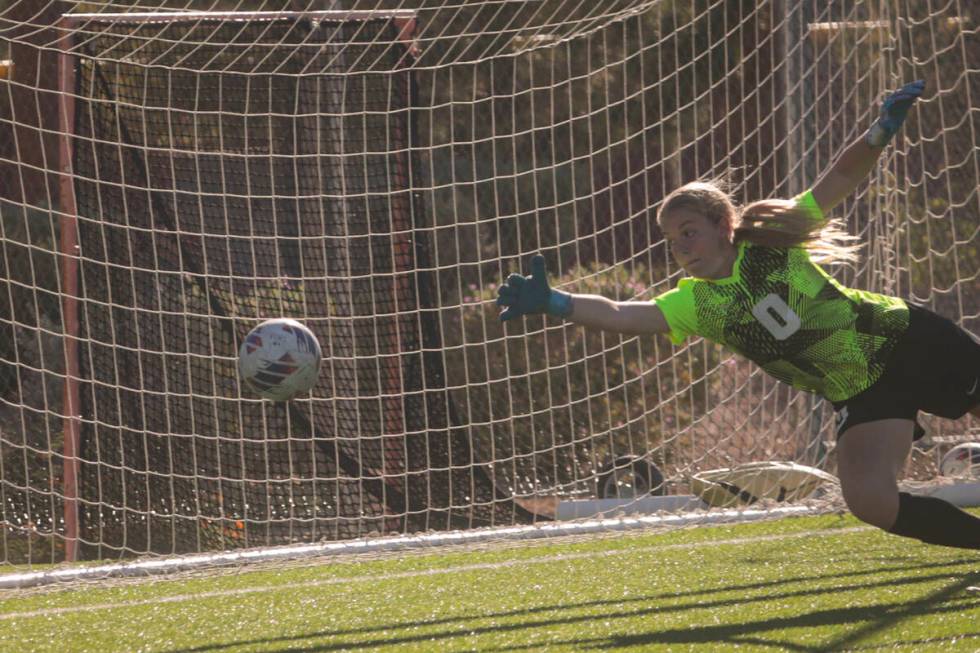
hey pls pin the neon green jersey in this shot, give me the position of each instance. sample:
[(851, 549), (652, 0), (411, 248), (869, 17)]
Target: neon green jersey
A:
[(785, 313)]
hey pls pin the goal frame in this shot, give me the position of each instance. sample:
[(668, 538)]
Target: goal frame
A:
[(565, 89)]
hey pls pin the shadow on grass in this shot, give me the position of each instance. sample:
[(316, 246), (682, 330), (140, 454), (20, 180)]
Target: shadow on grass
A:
[(866, 620), (860, 622)]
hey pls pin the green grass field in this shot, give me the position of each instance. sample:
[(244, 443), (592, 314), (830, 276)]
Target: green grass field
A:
[(803, 584)]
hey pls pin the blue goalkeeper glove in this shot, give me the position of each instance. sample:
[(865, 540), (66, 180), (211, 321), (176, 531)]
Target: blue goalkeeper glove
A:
[(893, 112), (531, 295)]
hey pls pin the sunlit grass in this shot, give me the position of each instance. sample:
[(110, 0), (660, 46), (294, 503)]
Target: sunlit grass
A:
[(806, 584)]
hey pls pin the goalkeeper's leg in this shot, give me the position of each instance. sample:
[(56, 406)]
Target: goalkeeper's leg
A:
[(870, 457)]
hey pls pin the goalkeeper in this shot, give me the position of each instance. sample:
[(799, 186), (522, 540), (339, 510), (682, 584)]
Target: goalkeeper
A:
[(755, 287)]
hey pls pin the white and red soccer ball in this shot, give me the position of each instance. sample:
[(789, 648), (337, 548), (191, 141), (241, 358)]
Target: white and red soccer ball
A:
[(962, 460), (279, 359)]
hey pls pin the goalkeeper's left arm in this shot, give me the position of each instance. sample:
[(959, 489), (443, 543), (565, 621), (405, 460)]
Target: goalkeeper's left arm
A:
[(856, 162)]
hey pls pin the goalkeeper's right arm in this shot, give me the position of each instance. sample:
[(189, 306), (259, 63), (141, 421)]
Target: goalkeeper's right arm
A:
[(530, 295), (632, 318)]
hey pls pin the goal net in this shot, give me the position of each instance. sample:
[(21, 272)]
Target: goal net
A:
[(173, 173)]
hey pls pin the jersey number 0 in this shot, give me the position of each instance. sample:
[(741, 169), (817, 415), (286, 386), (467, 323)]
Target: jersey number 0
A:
[(776, 316)]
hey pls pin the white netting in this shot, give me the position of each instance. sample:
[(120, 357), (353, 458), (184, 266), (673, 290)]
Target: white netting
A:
[(169, 179)]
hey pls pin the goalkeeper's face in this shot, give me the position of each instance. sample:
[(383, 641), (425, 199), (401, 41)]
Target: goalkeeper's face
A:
[(702, 247)]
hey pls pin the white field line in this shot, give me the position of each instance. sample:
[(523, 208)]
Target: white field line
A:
[(179, 598), (184, 563)]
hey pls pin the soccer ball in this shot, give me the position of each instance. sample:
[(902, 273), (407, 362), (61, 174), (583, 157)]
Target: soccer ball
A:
[(279, 359), (962, 460)]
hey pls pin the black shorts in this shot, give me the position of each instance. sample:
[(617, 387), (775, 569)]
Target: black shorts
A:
[(935, 368)]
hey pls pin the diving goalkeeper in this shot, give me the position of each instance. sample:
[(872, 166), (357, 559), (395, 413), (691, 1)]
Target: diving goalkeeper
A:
[(755, 287)]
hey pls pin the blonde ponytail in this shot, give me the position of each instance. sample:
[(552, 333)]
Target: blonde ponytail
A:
[(770, 223), (784, 223)]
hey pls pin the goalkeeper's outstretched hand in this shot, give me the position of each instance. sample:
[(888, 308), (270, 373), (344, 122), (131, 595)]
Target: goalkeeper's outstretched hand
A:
[(894, 110), (530, 295)]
